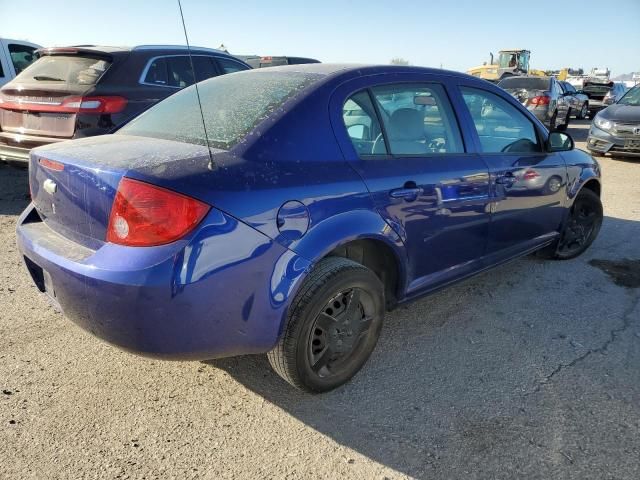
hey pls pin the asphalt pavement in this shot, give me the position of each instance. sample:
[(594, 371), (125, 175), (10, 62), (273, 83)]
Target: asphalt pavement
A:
[(531, 370)]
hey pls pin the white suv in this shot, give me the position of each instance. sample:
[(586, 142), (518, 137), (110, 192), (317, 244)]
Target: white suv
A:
[(15, 56)]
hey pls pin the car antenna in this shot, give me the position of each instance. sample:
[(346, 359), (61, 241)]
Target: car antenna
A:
[(212, 165)]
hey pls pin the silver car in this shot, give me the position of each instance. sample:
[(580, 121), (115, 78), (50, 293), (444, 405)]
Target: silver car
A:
[(543, 96), (578, 101)]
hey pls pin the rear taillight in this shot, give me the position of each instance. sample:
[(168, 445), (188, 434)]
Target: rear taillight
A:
[(540, 100), (51, 165), (530, 175), (144, 215), (101, 104)]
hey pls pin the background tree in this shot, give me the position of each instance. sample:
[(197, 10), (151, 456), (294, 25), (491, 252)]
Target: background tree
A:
[(399, 61)]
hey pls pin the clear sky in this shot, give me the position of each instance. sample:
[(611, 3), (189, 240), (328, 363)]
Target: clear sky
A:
[(456, 34)]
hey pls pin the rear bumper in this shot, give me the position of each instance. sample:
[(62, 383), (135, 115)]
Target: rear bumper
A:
[(222, 292), (15, 148), (542, 114), (14, 155), (603, 142)]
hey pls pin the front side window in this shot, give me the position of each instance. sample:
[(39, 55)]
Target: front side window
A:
[(21, 56), (362, 125), (501, 127), (418, 119), (180, 71)]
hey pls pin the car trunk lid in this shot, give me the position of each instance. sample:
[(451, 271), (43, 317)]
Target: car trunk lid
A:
[(73, 184), (596, 90)]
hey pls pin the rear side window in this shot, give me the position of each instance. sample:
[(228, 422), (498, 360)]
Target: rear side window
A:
[(177, 71), (418, 119), (21, 56), (362, 125), (232, 105), (230, 66), (72, 70), (501, 127), (157, 72)]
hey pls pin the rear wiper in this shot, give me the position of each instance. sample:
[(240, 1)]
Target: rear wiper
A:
[(46, 77)]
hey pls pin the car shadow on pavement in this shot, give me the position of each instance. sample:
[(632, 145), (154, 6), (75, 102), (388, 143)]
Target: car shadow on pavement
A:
[(466, 382)]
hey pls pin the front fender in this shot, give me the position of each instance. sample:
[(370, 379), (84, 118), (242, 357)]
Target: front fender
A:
[(581, 168)]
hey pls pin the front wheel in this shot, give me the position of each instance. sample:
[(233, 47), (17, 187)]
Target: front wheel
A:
[(333, 326), (581, 228)]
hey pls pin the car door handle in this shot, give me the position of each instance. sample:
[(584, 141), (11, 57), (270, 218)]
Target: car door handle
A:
[(409, 192)]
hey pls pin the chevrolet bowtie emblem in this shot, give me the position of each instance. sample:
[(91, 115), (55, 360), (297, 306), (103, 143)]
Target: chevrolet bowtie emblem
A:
[(50, 186)]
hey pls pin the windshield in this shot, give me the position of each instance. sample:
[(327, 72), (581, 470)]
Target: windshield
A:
[(232, 105), (513, 59), (73, 70), (528, 83), (632, 98)]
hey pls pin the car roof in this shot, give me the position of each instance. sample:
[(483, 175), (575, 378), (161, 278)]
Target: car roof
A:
[(119, 49), (334, 69)]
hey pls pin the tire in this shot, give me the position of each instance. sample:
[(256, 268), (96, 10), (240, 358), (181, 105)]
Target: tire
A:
[(328, 338), (552, 185), (564, 126), (593, 153), (584, 111), (580, 229)]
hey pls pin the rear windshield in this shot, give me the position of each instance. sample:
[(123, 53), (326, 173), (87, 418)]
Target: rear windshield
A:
[(69, 69), (597, 88), (232, 105), (527, 83)]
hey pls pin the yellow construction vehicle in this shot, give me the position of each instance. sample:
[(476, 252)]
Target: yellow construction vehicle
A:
[(510, 62)]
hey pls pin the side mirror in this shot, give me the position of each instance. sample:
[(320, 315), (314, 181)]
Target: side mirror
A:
[(559, 142)]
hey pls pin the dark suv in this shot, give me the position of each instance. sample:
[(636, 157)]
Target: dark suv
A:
[(81, 91)]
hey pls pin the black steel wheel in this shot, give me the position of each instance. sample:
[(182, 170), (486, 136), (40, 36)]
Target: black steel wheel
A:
[(333, 326), (581, 228)]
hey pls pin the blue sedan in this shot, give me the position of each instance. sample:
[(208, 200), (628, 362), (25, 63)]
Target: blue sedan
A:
[(296, 207)]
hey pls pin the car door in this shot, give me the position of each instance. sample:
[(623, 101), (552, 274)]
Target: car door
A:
[(528, 184), (571, 95), (563, 101), (406, 144)]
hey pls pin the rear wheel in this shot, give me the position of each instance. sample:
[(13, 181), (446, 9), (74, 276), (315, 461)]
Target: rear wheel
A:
[(552, 121), (584, 111), (564, 126), (332, 328), (581, 228)]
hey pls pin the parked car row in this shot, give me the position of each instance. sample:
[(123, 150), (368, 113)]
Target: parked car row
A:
[(75, 92)]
